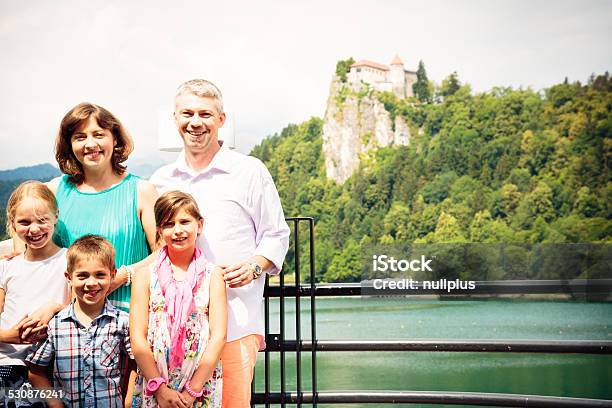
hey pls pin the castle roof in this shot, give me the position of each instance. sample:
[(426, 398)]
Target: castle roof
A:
[(397, 60), (371, 64)]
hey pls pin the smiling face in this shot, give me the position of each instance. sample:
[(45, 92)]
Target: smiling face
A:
[(92, 145), (34, 223), (198, 121), (90, 279), (181, 231)]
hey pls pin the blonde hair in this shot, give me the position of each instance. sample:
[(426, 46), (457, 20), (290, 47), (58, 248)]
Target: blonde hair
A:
[(88, 247), (28, 189), (203, 89), (64, 155)]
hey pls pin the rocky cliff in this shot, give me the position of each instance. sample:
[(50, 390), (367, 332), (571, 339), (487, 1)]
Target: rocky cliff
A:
[(356, 122)]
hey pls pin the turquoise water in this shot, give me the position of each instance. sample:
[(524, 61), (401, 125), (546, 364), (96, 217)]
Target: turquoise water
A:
[(572, 375)]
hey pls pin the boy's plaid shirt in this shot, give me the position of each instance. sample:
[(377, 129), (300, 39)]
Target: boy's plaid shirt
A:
[(88, 362)]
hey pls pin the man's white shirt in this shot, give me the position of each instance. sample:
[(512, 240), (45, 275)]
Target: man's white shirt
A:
[(243, 217)]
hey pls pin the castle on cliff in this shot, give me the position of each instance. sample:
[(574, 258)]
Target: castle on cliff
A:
[(358, 122), (394, 78)]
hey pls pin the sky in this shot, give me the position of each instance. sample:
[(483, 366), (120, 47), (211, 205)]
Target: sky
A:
[(273, 60)]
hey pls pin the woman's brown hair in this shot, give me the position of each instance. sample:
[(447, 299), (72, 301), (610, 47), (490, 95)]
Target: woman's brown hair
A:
[(64, 155)]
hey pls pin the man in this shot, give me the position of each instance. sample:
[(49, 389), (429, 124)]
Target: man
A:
[(244, 227)]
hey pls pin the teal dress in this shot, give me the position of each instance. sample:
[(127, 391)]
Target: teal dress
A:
[(111, 213)]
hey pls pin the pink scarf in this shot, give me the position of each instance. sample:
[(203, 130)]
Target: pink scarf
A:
[(179, 299)]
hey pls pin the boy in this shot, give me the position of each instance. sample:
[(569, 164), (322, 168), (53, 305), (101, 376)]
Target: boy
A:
[(87, 341)]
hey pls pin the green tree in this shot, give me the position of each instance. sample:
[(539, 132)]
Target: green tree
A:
[(478, 231), (521, 178), (507, 201), (538, 203), (586, 203), (438, 189), (347, 265), (537, 149), (487, 230), (397, 223), (424, 222), (343, 67), (448, 229), (450, 85), (421, 87)]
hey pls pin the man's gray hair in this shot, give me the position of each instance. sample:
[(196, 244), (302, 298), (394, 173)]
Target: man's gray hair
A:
[(202, 88)]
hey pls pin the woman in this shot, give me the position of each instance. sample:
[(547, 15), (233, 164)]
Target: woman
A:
[(96, 195)]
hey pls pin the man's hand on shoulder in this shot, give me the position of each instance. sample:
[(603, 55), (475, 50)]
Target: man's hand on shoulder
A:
[(239, 274), (245, 272)]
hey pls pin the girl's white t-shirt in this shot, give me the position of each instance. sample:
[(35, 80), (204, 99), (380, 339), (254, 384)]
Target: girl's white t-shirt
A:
[(28, 286)]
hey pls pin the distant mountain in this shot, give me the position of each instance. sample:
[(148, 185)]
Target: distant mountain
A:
[(47, 171), (146, 162), (9, 179), (144, 170), (38, 172)]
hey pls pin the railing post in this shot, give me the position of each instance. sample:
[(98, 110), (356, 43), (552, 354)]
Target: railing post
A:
[(282, 337), (313, 313), (298, 328), (267, 351)]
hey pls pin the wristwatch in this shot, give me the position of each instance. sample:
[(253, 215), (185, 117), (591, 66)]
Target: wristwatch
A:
[(153, 385), (257, 271)]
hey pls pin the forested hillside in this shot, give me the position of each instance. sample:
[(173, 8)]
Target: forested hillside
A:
[(504, 166)]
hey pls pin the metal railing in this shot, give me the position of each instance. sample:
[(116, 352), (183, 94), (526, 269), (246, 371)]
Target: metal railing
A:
[(277, 343)]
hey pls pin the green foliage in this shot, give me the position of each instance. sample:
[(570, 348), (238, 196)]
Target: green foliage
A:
[(586, 204), (537, 203), (397, 224), (3, 232), (439, 188), (448, 230), (537, 150), (390, 101), (421, 87), (520, 178), (346, 266), (450, 85), (343, 67), (504, 166), (342, 94)]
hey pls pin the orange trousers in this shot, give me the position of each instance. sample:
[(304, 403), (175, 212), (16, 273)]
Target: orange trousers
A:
[(238, 362)]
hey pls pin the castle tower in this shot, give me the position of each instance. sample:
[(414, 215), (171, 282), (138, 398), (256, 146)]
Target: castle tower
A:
[(397, 77)]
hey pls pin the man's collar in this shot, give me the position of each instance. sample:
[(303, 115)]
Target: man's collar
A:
[(221, 161)]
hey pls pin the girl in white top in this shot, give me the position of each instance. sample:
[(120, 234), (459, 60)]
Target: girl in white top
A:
[(32, 285)]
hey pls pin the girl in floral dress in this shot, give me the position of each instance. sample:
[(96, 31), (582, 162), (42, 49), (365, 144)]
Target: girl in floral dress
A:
[(178, 315)]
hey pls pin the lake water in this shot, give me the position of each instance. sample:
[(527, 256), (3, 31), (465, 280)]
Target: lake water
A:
[(363, 318)]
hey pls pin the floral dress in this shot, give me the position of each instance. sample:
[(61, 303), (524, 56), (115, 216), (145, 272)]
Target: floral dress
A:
[(195, 343)]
